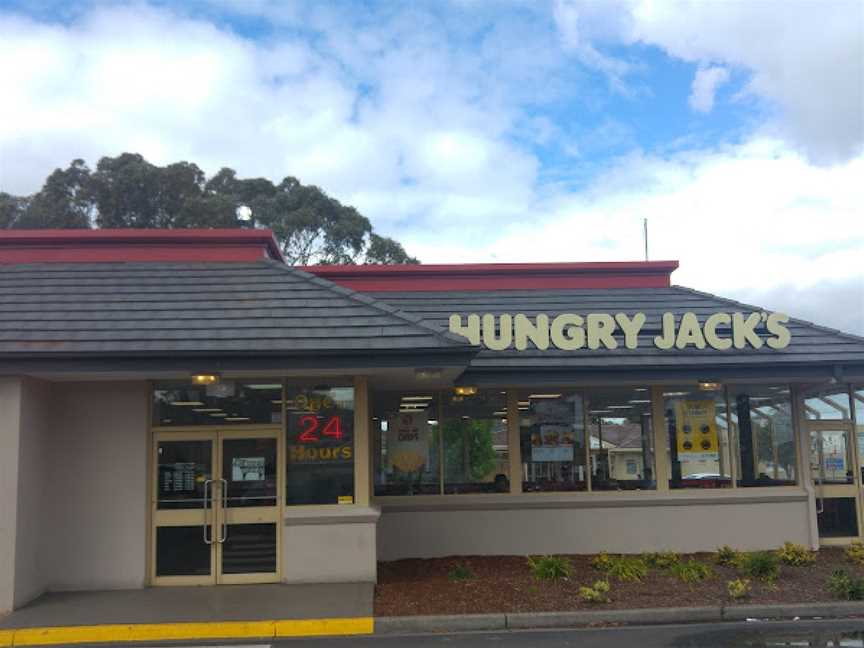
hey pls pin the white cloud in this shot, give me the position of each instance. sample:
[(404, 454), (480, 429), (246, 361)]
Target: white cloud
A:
[(705, 84), (806, 59), (747, 222), (385, 118)]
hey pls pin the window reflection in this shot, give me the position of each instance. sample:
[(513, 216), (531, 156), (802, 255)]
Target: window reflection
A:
[(830, 404), (761, 415), (229, 402), (621, 438)]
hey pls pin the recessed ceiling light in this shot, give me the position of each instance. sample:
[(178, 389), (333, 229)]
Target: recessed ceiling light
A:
[(236, 418), (219, 415), (638, 401), (187, 403), (417, 398), (545, 396), (207, 409)]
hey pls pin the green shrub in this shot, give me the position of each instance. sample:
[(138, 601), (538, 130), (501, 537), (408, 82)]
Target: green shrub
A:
[(549, 567), (738, 588), (597, 593), (459, 573), (627, 569), (727, 556), (764, 565), (846, 587), (602, 561), (795, 555), (661, 560), (855, 552), (692, 571)]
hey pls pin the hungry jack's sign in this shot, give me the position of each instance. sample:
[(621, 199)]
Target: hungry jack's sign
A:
[(569, 331)]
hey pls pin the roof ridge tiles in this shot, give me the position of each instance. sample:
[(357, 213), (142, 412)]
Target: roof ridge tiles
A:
[(450, 338), (796, 320)]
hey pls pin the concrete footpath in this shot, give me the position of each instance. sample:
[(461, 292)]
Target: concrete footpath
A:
[(191, 613), (282, 611)]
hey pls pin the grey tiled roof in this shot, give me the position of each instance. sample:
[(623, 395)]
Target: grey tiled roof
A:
[(172, 308), (810, 343)]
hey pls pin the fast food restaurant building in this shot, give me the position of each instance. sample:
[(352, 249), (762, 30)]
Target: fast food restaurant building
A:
[(182, 407)]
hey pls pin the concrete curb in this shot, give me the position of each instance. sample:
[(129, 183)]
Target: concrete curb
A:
[(645, 616)]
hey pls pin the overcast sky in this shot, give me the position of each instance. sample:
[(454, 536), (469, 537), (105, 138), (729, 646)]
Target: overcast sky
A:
[(487, 130)]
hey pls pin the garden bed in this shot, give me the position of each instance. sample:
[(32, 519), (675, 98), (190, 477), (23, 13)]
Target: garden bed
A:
[(505, 584)]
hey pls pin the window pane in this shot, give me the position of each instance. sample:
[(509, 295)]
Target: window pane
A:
[(185, 468), (405, 431), (552, 439), (858, 395), (228, 402), (621, 438), (830, 457), (828, 404), (474, 428), (320, 451), (699, 448), (762, 418)]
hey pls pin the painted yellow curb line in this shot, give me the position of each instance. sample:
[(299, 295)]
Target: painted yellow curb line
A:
[(120, 633)]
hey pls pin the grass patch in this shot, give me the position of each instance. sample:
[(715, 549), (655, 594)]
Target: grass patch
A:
[(846, 587), (763, 565), (692, 571)]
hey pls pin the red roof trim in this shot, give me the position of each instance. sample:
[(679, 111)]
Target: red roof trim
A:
[(500, 276), (71, 246)]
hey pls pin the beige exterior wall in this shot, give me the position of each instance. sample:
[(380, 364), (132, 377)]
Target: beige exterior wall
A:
[(630, 525), (330, 545), (30, 576), (95, 530), (10, 418)]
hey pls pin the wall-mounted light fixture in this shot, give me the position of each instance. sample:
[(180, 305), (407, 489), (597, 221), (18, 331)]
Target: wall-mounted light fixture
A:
[(205, 378), (464, 390)]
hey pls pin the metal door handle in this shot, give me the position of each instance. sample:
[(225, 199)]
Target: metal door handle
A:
[(224, 535), (207, 539)]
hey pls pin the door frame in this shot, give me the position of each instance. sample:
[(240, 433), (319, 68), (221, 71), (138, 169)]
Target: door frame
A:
[(826, 491), (215, 434)]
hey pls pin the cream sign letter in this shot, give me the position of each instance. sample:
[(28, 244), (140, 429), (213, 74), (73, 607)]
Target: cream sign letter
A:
[(569, 332)]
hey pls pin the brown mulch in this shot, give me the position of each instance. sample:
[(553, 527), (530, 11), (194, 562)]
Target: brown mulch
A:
[(504, 584)]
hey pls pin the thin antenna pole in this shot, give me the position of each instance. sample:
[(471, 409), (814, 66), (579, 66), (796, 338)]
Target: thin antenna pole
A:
[(645, 235)]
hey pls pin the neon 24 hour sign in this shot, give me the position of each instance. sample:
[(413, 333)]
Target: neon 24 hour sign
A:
[(569, 331)]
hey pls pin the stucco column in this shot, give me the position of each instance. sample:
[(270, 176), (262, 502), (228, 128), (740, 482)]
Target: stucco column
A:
[(10, 440)]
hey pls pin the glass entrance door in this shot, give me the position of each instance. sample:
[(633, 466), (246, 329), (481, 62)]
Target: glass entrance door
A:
[(215, 507), (835, 479)]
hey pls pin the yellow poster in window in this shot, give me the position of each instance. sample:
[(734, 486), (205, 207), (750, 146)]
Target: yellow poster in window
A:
[(696, 427)]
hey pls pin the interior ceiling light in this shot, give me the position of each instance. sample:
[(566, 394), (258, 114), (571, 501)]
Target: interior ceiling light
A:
[(427, 373), (639, 401), (219, 415), (464, 390), (675, 393), (205, 378), (236, 418), (545, 396), (264, 386), (187, 403), (611, 407), (207, 410), (416, 398), (708, 385)]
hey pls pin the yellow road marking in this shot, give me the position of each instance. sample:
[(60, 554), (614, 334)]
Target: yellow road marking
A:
[(119, 633)]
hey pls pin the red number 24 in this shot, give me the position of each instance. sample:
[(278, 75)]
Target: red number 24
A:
[(310, 423)]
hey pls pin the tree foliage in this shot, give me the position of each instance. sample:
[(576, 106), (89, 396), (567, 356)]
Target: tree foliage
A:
[(127, 191)]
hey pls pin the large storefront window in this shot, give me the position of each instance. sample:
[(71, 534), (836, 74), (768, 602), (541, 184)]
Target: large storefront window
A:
[(621, 438), (699, 439), (229, 402), (552, 440), (475, 450), (467, 446), (320, 448), (761, 416), (406, 452), (828, 404)]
